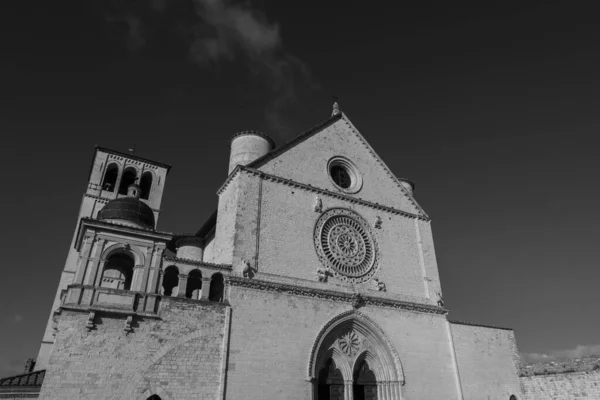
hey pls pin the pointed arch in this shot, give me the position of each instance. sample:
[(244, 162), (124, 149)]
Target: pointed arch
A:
[(376, 348)]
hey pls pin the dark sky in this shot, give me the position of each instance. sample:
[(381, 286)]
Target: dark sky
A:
[(491, 110)]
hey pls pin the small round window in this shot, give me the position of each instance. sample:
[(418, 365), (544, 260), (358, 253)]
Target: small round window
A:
[(344, 175)]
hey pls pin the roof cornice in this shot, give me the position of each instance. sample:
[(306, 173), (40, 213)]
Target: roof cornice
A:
[(187, 261), (292, 143), (115, 227), (325, 192), (134, 157)]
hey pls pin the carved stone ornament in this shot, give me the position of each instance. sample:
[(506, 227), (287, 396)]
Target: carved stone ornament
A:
[(322, 274), (128, 323), (318, 204), (349, 343), (346, 246), (378, 222), (90, 321), (248, 271), (380, 285), (440, 301)]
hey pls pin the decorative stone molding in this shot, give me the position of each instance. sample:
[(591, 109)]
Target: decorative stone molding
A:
[(351, 298), (221, 267), (322, 192)]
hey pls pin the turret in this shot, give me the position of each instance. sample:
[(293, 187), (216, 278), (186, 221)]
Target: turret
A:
[(247, 146)]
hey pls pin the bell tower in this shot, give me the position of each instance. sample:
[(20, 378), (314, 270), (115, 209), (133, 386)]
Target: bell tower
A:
[(111, 174)]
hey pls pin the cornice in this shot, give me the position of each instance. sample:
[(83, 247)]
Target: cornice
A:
[(106, 200), (324, 192), (351, 298), (187, 261), (252, 133), (384, 166), (453, 322)]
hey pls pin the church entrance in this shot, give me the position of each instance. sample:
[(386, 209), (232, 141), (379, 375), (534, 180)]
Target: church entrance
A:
[(331, 382), (352, 359), (364, 384)]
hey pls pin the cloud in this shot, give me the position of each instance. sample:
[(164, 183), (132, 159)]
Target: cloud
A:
[(241, 31), (227, 30), (561, 355), (135, 39), (235, 28)]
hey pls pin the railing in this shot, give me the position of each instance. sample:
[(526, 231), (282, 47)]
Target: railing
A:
[(91, 298), (34, 378)]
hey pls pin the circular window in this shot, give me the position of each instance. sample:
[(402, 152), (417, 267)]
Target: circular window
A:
[(345, 245), (344, 175)]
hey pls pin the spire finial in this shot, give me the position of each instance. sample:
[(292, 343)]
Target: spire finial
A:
[(336, 107)]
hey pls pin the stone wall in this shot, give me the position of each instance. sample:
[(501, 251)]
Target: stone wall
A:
[(179, 356), (307, 163), (272, 335), (566, 380), (486, 362)]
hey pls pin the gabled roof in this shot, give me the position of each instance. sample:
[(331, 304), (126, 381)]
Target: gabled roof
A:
[(294, 142), (320, 127)]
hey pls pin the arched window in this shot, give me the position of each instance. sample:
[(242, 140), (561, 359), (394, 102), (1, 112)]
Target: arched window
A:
[(127, 179), (154, 397), (118, 272), (170, 280), (216, 288), (110, 177), (194, 285), (146, 185)]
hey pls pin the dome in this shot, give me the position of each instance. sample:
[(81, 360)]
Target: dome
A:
[(128, 210)]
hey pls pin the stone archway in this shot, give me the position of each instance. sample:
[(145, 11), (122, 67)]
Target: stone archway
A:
[(352, 359)]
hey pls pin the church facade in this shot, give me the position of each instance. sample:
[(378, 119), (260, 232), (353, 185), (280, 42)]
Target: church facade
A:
[(315, 278)]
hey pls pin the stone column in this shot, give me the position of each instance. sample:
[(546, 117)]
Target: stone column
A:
[(381, 393), (96, 264), (348, 390), (182, 287), (205, 288), (84, 257), (136, 278), (388, 391), (396, 391), (156, 272), (143, 287)]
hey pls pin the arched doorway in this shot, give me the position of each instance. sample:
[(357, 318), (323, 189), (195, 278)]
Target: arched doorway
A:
[(331, 382), (352, 358), (364, 383)]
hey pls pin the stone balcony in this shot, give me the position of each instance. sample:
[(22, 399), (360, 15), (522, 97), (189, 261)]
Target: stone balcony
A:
[(116, 301)]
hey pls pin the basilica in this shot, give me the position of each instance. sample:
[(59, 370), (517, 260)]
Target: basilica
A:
[(315, 278)]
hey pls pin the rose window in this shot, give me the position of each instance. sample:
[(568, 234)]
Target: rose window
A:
[(345, 245), (349, 343)]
